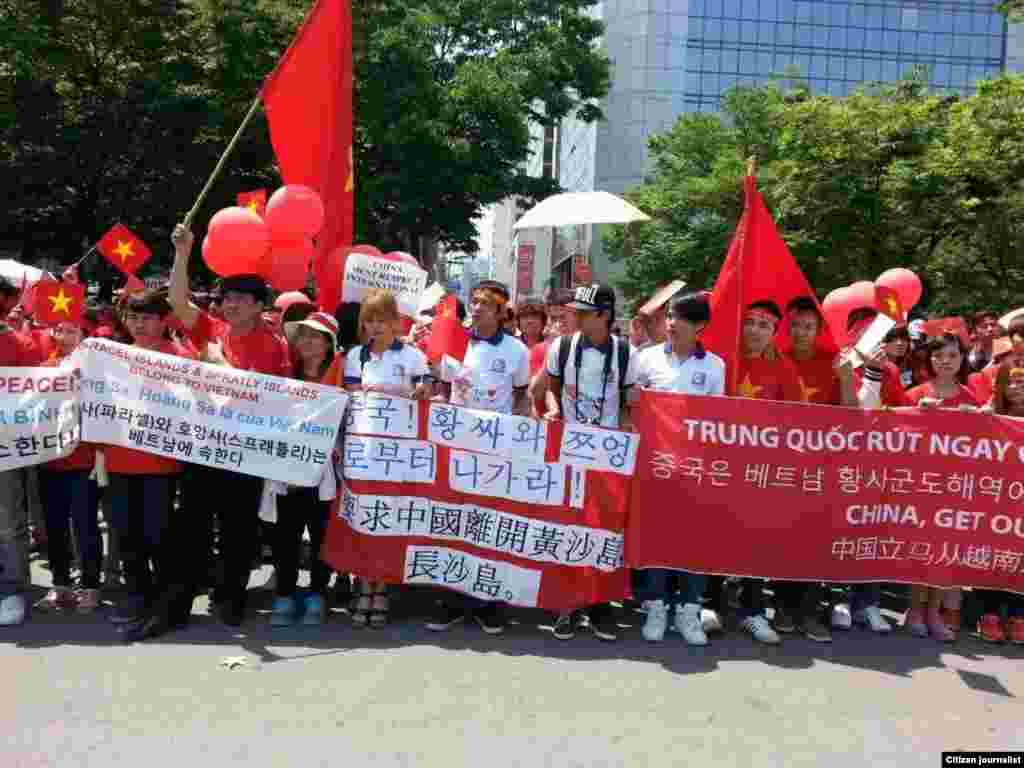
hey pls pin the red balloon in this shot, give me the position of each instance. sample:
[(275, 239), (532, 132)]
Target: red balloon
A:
[(862, 294), (836, 308), (287, 265), (367, 249), (403, 256), (295, 211), (906, 284), (287, 299), (236, 242)]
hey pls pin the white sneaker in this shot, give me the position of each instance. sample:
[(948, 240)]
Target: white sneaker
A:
[(710, 621), (872, 617), (688, 624), (761, 630), (12, 610), (656, 623), (841, 618)]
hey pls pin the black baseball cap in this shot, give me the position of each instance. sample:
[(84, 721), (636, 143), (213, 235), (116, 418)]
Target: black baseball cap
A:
[(593, 298), (254, 285)]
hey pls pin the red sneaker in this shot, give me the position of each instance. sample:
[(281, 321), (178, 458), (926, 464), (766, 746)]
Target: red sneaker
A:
[(991, 629)]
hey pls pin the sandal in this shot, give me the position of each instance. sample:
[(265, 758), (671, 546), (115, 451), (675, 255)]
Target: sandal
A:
[(361, 611), (381, 605)]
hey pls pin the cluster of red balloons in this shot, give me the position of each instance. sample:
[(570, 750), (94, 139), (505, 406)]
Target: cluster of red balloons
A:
[(278, 246), (842, 301)]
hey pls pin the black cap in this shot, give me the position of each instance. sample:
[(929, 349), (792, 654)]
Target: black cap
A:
[(596, 297), (493, 285), (254, 285)]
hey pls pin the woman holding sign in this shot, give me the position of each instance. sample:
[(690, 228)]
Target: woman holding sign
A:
[(936, 612), (385, 365)]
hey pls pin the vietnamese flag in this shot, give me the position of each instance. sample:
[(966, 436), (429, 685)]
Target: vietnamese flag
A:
[(308, 100), (255, 201), (447, 336), (59, 302), (758, 266), (124, 249), (888, 303)]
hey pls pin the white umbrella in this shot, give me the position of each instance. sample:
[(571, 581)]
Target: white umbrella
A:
[(572, 208), (19, 273)]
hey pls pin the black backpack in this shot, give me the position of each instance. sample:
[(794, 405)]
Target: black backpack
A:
[(563, 355)]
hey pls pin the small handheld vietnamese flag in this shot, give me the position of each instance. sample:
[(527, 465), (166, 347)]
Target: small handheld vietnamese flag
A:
[(888, 303), (124, 249), (255, 201), (59, 302), (447, 336)]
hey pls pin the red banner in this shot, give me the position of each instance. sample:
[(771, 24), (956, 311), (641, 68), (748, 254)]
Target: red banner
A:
[(818, 493), (497, 507), (524, 270)]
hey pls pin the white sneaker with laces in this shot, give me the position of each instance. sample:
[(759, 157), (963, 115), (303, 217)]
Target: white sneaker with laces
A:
[(872, 617), (656, 623), (710, 621), (761, 630), (841, 618), (688, 624), (12, 610)]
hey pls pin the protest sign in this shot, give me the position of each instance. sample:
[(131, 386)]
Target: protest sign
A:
[(364, 271), (38, 415), (267, 426), (477, 502), (819, 493)]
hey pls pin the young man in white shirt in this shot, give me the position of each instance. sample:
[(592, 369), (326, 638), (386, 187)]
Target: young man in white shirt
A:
[(493, 377), (588, 375), (681, 364)]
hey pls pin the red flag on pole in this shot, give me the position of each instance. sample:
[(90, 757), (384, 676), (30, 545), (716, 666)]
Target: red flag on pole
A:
[(758, 266), (308, 100), (255, 201), (447, 336), (59, 302), (124, 249)]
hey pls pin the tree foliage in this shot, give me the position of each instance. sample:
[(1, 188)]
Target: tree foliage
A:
[(889, 176), (118, 110)]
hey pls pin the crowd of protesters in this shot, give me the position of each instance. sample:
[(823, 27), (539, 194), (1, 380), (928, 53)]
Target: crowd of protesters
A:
[(561, 358)]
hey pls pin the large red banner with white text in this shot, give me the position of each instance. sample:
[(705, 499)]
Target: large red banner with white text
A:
[(794, 491), (497, 507)]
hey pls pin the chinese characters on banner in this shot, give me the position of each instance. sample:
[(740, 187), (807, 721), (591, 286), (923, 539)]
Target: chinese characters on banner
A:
[(38, 415), (479, 502), (524, 270), (267, 426), (818, 493)]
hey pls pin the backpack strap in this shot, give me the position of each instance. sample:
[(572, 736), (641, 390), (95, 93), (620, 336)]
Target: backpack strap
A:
[(364, 356), (565, 347), (623, 352)]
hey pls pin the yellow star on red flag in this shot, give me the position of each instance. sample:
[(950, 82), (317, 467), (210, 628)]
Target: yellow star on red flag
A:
[(747, 389), (124, 250), (806, 393), (61, 302)]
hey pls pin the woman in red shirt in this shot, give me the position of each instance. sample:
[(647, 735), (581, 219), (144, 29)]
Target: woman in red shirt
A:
[(142, 489), (70, 499), (933, 611)]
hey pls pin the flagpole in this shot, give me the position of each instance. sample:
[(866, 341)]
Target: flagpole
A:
[(220, 163)]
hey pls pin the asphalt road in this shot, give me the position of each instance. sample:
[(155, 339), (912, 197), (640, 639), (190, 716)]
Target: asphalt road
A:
[(73, 695)]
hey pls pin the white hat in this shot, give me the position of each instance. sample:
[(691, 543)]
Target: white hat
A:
[(318, 321)]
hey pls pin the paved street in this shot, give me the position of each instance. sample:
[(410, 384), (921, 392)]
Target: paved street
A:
[(407, 697)]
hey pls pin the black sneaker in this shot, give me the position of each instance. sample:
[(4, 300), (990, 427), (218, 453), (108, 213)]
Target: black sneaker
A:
[(565, 627), (783, 622), (603, 624), (128, 611), (143, 629), (444, 617), (491, 618), (232, 612)]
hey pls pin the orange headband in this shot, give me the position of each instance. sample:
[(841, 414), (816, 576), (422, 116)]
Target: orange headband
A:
[(498, 298)]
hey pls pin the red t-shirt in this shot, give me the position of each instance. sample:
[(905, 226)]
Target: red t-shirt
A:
[(46, 344), (983, 383), (84, 456), (818, 380), (768, 380), (17, 349), (261, 350), (964, 396), (538, 358), (892, 393), (128, 461)]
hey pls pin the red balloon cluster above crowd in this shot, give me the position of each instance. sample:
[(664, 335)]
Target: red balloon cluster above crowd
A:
[(839, 303)]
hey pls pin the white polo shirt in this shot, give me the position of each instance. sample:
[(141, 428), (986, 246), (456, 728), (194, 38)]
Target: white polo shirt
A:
[(400, 365), (590, 397), (658, 367), (491, 371)]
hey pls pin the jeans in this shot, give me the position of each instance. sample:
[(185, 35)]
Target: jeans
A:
[(141, 509), (70, 500), (674, 588), (864, 596), (800, 599), (14, 574), (300, 508)]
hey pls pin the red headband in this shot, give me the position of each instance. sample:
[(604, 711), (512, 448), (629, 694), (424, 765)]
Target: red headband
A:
[(761, 314)]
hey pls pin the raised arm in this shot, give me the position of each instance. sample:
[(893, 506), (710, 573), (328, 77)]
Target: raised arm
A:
[(178, 294)]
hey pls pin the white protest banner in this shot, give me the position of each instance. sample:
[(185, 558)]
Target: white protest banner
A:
[(247, 422), (38, 415), (363, 272)]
